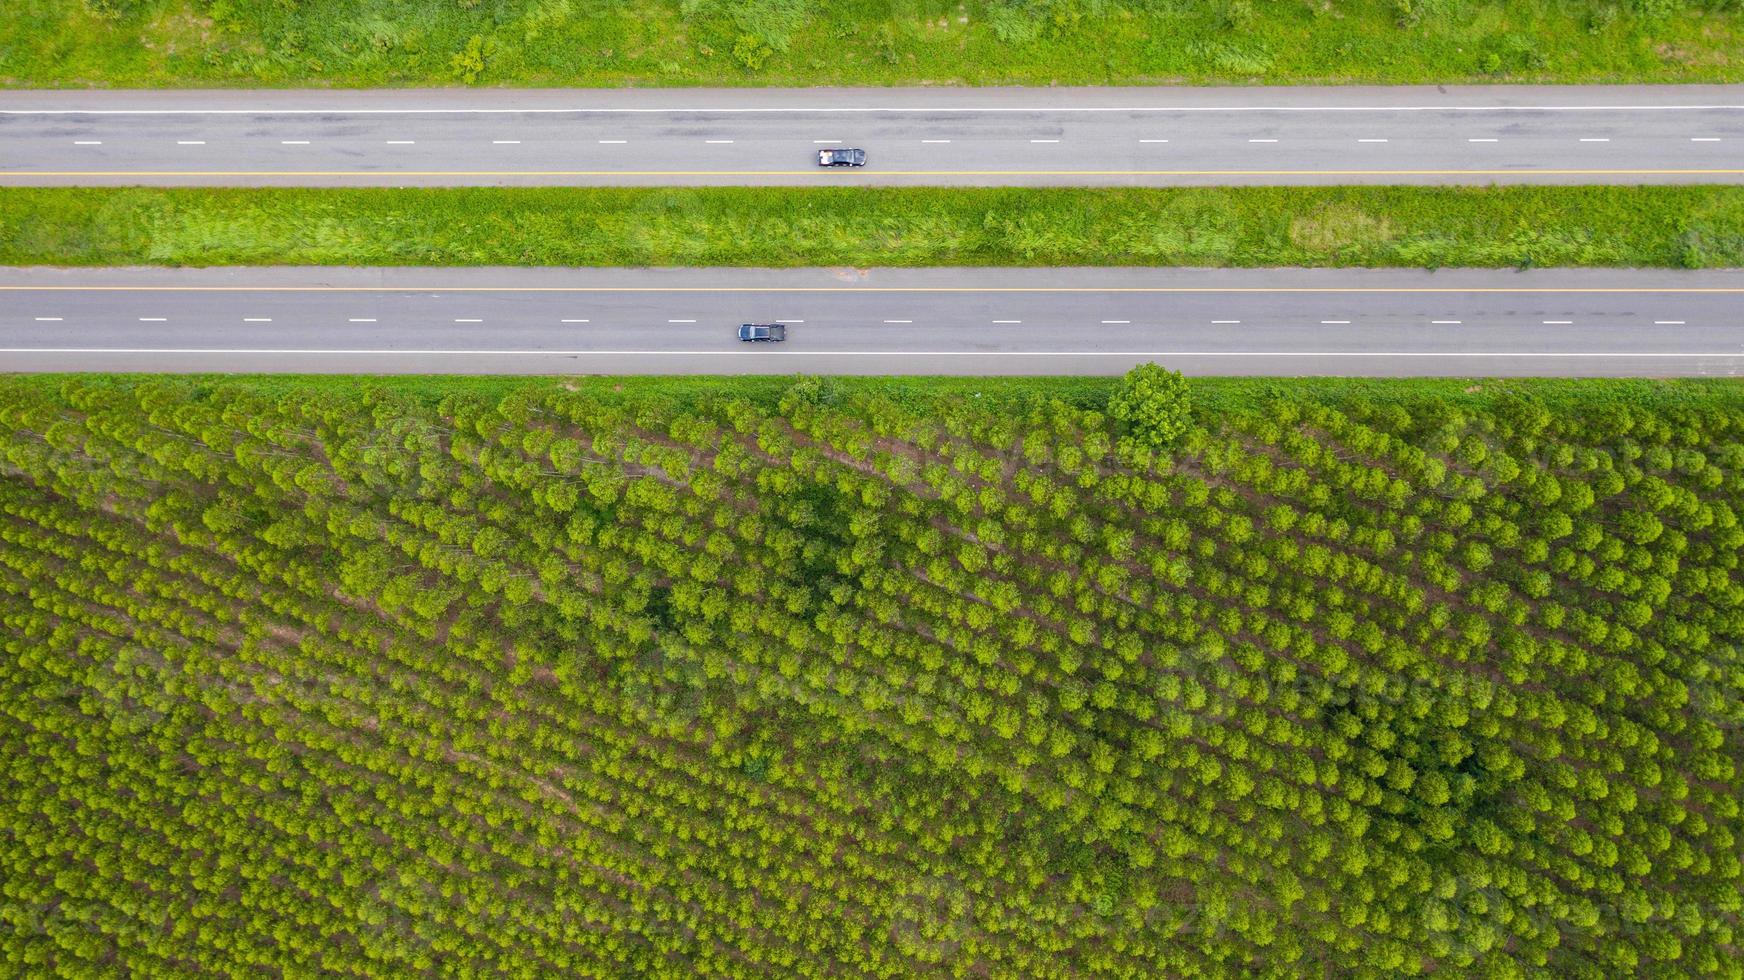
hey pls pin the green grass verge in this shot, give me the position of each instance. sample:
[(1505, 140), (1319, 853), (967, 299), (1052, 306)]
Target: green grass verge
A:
[(1695, 227), (922, 393), (876, 42)]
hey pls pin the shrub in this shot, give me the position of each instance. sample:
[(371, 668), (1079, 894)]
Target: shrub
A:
[(1153, 403)]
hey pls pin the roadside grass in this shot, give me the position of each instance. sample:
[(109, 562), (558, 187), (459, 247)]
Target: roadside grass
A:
[(1210, 395), (182, 43), (1493, 227)]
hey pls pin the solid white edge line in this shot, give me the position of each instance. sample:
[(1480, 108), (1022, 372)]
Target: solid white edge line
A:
[(154, 319), (576, 321), (717, 141), (361, 320), (1668, 323), (1007, 321), (1595, 139), (401, 142), (87, 142), (691, 110), (1218, 322), (614, 141), (256, 319), (1557, 323), (1445, 322), (1334, 323), (935, 141), (48, 319), (898, 321), (1262, 141), (873, 353), (505, 142), (190, 142), (1361, 140), (1153, 141), (1044, 141), (293, 142), (1483, 139), (1116, 321), (469, 320), (1704, 139)]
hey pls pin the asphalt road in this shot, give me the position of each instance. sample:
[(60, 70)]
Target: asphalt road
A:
[(931, 321), (1048, 136)]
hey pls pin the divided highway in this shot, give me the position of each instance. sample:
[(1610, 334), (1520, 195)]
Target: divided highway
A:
[(1108, 136), (932, 321)]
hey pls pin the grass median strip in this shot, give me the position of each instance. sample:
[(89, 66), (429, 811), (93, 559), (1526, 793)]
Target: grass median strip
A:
[(868, 42), (1689, 227)]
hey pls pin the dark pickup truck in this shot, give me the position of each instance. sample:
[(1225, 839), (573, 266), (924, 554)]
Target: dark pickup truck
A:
[(762, 332), (842, 157)]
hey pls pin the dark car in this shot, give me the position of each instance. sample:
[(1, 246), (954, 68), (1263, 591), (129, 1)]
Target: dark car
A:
[(841, 158), (762, 332)]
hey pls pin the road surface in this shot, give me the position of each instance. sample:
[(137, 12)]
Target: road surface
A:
[(1048, 136), (917, 321)]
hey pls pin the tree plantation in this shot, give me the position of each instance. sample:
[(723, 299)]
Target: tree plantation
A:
[(310, 678)]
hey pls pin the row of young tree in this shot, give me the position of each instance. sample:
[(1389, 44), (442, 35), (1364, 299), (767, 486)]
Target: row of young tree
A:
[(839, 687)]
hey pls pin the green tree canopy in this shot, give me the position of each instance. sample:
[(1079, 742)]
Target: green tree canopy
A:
[(1154, 403)]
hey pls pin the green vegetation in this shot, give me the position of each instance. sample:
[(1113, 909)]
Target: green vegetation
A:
[(1154, 404), (1696, 227), (830, 679), (876, 42)]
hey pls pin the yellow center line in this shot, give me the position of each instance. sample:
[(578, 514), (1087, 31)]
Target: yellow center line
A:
[(878, 289), (1662, 172)]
